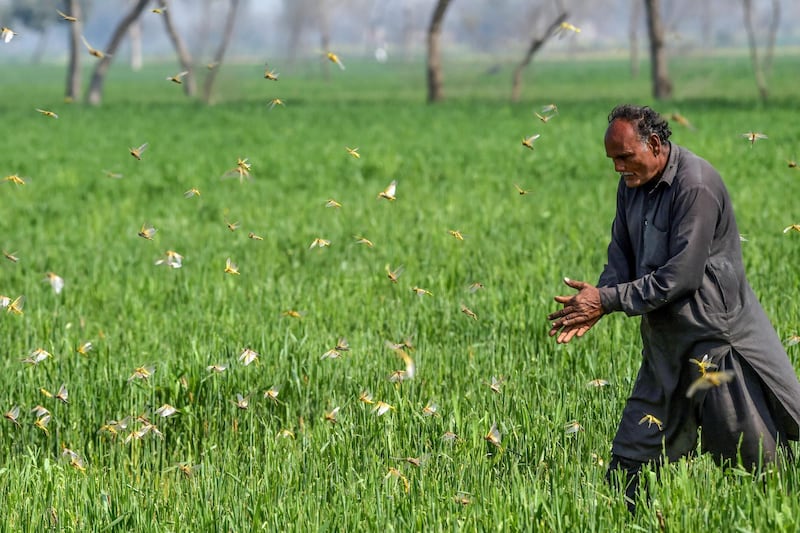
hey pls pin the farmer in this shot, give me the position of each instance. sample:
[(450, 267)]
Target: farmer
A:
[(675, 259)]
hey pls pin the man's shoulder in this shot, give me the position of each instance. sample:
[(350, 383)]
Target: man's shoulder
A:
[(684, 154), (691, 169)]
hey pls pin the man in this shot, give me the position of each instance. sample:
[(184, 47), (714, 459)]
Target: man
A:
[(710, 356)]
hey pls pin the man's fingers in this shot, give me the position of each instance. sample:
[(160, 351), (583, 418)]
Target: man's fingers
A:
[(561, 313), (563, 299), (575, 284), (566, 335), (570, 326), (570, 320)]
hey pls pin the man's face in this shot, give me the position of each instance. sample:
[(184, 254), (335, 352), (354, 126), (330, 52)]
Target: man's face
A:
[(637, 162)]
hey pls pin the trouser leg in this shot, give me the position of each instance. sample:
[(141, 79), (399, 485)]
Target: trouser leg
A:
[(737, 421), (623, 474)]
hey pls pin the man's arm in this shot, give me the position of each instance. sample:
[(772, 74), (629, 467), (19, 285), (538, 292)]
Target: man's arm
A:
[(620, 266), (693, 221)]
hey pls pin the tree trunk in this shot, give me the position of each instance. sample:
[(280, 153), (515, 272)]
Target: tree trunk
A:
[(761, 81), (73, 85), (223, 46), (536, 44), (774, 24), (324, 39), (435, 93), (95, 93), (662, 86), (184, 57), (135, 35), (633, 35)]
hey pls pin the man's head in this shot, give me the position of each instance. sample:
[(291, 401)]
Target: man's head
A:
[(637, 141)]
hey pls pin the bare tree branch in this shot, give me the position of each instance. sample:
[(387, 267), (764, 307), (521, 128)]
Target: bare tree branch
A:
[(774, 24), (73, 86), (95, 94), (536, 44), (761, 81), (184, 57), (223, 46)]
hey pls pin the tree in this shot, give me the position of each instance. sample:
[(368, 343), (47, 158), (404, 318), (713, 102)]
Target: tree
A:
[(184, 57), (761, 70), (95, 94), (536, 44), (223, 46), (435, 93), (775, 22), (662, 86), (73, 86)]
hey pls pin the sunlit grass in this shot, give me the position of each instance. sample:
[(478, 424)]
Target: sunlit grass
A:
[(456, 166)]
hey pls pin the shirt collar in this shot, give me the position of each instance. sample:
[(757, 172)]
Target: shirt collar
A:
[(671, 169)]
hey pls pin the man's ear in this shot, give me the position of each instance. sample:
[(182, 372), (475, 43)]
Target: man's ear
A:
[(654, 142)]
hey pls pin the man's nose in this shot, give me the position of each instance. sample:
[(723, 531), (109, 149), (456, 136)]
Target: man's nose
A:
[(619, 166)]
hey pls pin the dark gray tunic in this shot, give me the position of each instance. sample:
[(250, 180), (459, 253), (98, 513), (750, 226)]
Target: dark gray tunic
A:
[(675, 258)]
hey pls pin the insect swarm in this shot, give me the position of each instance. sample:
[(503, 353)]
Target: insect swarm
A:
[(457, 164)]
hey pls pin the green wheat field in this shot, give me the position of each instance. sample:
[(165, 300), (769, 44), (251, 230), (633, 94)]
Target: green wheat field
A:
[(497, 429)]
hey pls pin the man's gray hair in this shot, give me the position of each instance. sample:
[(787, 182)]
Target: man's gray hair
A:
[(646, 120)]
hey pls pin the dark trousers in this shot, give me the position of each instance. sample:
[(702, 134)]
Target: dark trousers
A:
[(739, 426)]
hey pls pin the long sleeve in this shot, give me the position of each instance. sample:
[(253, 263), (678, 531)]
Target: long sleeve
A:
[(620, 252), (693, 216)]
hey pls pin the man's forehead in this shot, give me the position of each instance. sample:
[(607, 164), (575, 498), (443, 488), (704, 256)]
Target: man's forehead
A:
[(621, 139), (621, 129), (622, 133)]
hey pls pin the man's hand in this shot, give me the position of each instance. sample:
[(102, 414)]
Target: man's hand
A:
[(568, 332), (579, 314)]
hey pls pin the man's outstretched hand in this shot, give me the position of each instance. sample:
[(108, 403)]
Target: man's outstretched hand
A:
[(579, 314)]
